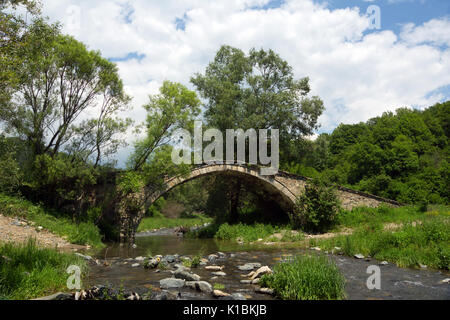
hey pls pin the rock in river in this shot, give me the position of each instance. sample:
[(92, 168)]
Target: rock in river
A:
[(202, 286), (261, 271), (249, 266), (264, 290), (168, 283), (169, 258), (219, 294), (185, 275), (219, 274), (214, 268), (152, 263)]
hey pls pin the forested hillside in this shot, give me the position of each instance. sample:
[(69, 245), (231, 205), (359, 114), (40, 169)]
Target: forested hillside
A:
[(402, 155)]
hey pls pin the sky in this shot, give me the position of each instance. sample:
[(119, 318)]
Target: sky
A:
[(363, 57)]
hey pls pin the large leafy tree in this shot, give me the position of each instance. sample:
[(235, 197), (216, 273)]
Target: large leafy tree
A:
[(58, 82), (257, 90)]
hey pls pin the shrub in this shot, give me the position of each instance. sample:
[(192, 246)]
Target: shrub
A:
[(317, 208), (306, 278)]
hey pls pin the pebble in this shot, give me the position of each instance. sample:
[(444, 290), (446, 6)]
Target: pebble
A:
[(202, 286), (218, 294), (384, 263), (212, 257), (214, 268), (219, 273), (264, 290), (249, 266), (134, 265), (238, 296), (359, 256)]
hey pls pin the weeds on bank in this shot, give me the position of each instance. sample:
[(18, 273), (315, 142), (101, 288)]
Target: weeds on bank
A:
[(27, 271), (425, 242), (306, 278)]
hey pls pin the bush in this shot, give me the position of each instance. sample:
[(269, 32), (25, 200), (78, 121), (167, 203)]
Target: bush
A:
[(317, 209), (306, 278)]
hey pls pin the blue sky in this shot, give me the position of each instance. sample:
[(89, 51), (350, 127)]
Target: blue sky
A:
[(358, 72)]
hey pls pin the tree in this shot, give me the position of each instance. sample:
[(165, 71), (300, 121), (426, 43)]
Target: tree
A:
[(31, 6), (257, 91), (12, 28), (59, 80), (175, 107)]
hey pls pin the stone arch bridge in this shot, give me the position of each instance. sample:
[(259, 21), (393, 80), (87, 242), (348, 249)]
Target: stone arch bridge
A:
[(282, 188)]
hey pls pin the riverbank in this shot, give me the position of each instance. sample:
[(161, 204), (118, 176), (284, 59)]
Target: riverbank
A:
[(23, 219), (405, 236)]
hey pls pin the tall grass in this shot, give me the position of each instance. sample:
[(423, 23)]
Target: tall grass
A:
[(27, 271), (306, 278), (82, 233)]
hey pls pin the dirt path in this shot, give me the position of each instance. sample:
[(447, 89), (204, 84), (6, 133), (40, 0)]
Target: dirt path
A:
[(19, 231)]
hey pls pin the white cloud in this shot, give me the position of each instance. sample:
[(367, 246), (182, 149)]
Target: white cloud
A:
[(358, 75), (435, 32)]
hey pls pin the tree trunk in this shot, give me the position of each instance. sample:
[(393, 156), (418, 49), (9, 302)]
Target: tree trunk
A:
[(234, 201)]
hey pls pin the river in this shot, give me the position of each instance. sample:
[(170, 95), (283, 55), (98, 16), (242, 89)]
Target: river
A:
[(396, 283)]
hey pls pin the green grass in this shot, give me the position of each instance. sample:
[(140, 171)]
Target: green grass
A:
[(151, 223), (306, 278), (384, 214), (219, 286), (248, 232), (421, 238), (27, 271), (82, 233)]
